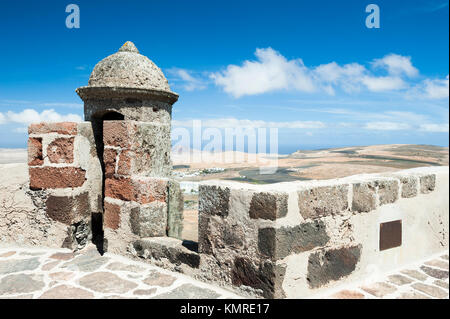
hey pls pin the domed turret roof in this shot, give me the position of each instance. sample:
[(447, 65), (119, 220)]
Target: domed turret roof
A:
[(128, 69)]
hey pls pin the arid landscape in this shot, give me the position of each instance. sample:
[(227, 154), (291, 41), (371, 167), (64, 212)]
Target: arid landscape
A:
[(315, 164), (301, 165)]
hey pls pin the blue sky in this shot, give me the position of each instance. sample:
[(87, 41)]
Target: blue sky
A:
[(311, 68)]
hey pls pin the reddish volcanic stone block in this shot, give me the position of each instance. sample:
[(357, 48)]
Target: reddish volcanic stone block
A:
[(124, 166), (119, 188), (111, 216), (56, 177), (61, 150), (35, 151), (109, 159), (143, 191), (118, 133), (66, 128), (150, 190)]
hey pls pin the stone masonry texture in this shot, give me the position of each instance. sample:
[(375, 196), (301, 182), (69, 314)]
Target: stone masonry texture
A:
[(56, 177), (388, 191), (65, 181), (268, 206), (68, 209), (278, 243), (323, 201), (35, 151), (332, 264), (61, 150), (265, 276), (111, 215), (427, 183), (214, 200), (64, 128), (409, 186), (364, 197)]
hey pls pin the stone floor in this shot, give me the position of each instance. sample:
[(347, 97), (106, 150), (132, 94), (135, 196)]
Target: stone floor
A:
[(58, 273), (426, 280)]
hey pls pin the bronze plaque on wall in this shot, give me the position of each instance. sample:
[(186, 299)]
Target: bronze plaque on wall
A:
[(390, 234)]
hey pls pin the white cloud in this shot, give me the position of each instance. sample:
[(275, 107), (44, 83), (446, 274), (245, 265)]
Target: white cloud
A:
[(15, 103), (434, 128), (436, 89), (29, 116), (271, 72), (187, 81), (387, 126), (347, 76), (430, 89), (383, 83), (234, 123), (396, 65)]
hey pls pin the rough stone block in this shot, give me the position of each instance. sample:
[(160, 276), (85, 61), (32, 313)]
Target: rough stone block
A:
[(268, 205), (204, 242), (277, 243), (148, 190), (124, 163), (109, 160), (119, 188), (35, 157), (118, 133), (265, 276), (145, 147), (169, 248), (111, 215), (175, 210), (56, 177), (64, 128), (409, 186), (141, 190), (387, 191), (216, 234), (427, 183), (331, 265), (149, 220), (60, 150), (323, 201), (68, 209), (214, 200), (364, 197)]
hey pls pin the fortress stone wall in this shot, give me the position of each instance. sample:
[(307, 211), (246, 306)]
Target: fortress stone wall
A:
[(295, 239), (109, 181)]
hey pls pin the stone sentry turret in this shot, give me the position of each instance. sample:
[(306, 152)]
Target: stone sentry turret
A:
[(129, 84), (129, 103), (109, 178)]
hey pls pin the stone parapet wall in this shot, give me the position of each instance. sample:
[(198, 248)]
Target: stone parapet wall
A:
[(65, 177), (295, 239)]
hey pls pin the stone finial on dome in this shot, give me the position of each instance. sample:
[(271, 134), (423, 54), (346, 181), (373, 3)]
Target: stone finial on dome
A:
[(128, 47)]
